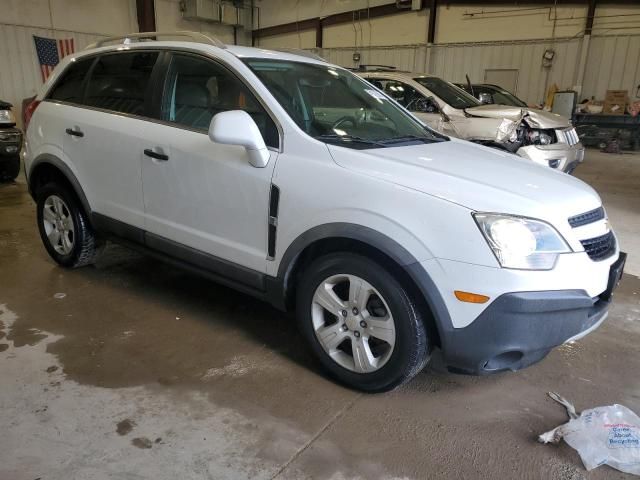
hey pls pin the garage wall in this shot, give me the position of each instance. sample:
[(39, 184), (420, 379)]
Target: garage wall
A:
[(458, 23), (169, 18), (454, 61), (276, 12), (305, 39), (83, 20), (464, 23), (20, 75), (617, 19), (613, 62), (471, 38), (407, 29), (87, 16)]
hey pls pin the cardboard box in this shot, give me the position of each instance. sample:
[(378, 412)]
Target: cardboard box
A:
[(617, 96), (614, 108)]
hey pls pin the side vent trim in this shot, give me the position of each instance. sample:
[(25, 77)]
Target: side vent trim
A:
[(274, 203)]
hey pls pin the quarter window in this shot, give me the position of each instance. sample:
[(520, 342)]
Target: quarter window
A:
[(120, 82), (69, 87), (197, 89)]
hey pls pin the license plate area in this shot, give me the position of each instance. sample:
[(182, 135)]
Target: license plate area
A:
[(615, 274)]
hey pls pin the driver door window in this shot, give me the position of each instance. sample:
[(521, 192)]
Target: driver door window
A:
[(196, 89), (404, 94)]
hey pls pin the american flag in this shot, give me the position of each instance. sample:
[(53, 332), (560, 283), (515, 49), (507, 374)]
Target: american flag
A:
[(50, 51)]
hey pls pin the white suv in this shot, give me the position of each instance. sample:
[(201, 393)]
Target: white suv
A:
[(543, 137), (295, 181)]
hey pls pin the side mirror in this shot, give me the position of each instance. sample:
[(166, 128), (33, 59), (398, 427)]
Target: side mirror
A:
[(485, 98), (236, 127)]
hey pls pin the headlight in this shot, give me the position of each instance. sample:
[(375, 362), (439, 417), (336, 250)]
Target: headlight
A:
[(6, 116), (521, 243), (541, 137)]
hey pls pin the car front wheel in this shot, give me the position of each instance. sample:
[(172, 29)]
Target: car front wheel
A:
[(361, 322)]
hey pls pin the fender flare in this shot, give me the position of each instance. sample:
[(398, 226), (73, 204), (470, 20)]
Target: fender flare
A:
[(47, 158), (403, 258)]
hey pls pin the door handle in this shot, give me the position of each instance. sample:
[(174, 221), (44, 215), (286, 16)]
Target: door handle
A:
[(158, 156), (74, 133)]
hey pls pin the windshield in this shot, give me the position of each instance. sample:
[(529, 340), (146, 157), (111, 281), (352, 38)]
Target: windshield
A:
[(502, 97), (448, 92), (335, 106)]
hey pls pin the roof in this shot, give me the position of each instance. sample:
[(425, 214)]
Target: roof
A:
[(292, 55), (393, 72), (132, 40)]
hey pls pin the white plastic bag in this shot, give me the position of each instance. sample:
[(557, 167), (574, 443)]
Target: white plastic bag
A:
[(602, 435)]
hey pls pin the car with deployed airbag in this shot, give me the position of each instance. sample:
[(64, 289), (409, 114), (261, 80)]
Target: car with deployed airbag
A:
[(542, 137)]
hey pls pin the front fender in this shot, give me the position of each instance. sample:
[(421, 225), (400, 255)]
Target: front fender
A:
[(399, 254)]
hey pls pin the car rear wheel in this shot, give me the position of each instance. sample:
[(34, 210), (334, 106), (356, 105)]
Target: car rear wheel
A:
[(361, 322), (64, 227)]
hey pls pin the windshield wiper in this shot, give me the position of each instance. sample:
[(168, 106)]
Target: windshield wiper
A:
[(349, 138), (405, 138)]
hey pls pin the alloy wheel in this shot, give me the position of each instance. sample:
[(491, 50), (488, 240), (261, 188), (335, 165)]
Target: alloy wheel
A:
[(353, 323), (58, 224)]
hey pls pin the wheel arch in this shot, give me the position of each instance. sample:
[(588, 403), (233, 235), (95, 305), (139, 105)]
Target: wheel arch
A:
[(345, 237), (46, 168)]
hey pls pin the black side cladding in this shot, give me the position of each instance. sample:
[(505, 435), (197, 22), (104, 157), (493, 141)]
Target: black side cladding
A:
[(274, 202)]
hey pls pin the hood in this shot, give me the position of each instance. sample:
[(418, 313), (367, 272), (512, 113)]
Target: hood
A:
[(476, 177), (535, 118)]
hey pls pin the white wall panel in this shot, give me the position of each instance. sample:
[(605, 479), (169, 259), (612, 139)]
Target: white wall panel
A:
[(99, 16), (613, 62), (169, 18), (20, 73)]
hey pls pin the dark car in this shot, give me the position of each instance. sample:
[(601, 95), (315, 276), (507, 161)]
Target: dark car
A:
[(488, 93), (10, 143)]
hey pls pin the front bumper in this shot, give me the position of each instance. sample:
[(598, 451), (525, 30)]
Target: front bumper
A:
[(519, 329), (10, 143), (560, 156)]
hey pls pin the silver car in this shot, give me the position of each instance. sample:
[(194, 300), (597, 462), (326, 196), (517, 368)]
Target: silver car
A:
[(542, 137)]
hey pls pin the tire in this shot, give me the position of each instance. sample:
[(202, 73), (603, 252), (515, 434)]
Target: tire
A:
[(79, 245), (384, 359), (9, 169)]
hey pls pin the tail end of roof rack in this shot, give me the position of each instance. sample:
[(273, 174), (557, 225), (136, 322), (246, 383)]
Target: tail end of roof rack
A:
[(153, 36), (374, 68)]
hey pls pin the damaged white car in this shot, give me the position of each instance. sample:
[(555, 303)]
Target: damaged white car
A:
[(542, 137)]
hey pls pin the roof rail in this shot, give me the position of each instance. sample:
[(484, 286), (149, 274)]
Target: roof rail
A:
[(153, 36), (299, 51), (374, 68)]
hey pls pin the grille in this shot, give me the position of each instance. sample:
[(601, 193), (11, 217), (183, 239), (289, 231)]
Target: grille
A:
[(571, 136), (587, 217), (599, 248), (9, 137)]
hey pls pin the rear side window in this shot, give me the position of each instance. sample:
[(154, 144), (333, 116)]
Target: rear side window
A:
[(120, 82), (69, 86), (197, 89)]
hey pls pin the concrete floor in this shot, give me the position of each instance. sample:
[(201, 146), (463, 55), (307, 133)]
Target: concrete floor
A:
[(135, 370)]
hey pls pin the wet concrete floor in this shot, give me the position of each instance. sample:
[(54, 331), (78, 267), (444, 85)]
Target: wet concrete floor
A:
[(135, 370)]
